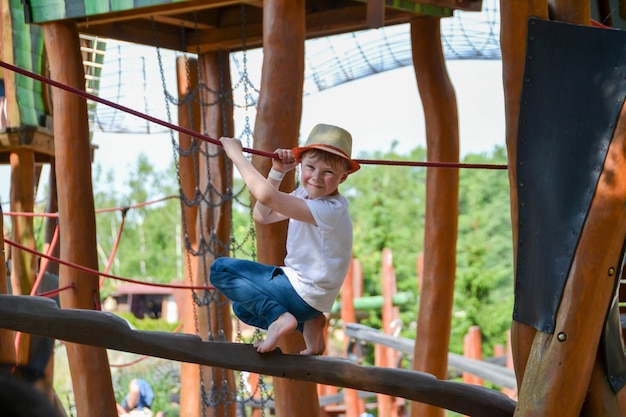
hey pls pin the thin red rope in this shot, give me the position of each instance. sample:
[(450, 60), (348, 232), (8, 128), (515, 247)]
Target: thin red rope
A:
[(103, 210), (98, 273), (44, 263), (116, 246), (217, 142)]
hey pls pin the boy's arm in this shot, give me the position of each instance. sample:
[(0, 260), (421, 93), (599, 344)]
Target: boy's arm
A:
[(262, 213), (263, 190)]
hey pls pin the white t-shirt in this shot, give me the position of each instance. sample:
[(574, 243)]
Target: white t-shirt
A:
[(318, 257)]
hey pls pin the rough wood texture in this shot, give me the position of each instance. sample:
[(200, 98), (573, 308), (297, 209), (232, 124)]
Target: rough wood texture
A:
[(22, 201), (277, 125), (440, 233), (216, 170), (42, 316), (77, 223), (188, 114), (514, 18), (7, 349)]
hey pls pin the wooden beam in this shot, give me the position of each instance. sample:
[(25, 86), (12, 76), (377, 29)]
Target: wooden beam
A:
[(146, 12), (375, 13), (41, 316), (225, 32), (467, 5), (37, 139), (499, 375)]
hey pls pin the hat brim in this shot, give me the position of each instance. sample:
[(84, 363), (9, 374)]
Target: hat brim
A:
[(298, 151)]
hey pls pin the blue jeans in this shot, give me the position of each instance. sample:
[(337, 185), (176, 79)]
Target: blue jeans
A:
[(259, 293)]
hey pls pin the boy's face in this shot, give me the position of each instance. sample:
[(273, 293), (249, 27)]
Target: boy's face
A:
[(320, 178)]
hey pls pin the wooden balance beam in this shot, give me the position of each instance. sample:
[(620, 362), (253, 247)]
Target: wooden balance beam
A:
[(41, 316)]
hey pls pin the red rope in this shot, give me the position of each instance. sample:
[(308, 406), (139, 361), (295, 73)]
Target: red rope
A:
[(56, 291), (215, 141), (98, 273), (44, 263), (26, 214), (116, 245), (103, 210)]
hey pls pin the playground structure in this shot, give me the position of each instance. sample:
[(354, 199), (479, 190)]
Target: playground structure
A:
[(567, 348)]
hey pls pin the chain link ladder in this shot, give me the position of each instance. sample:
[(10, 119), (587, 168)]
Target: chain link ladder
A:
[(215, 397)]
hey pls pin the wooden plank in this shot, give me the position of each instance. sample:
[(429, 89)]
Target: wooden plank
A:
[(37, 315), (467, 5), (37, 139), (226, 31), (499, 375), (375, 13)]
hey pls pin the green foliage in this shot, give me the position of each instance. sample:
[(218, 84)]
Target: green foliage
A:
[(388, 205), (152, 325), (149, 248), (387, 208), (484, 281)]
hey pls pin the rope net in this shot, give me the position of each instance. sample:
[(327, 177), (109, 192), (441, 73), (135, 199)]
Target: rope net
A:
[(211, 198)]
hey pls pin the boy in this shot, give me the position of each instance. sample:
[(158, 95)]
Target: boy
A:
[(319, 240)]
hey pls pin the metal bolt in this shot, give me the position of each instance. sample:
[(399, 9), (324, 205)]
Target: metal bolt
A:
[(562, 337), (611, 271)]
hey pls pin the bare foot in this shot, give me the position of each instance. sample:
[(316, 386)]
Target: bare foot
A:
[(313, 333), (284, 324)]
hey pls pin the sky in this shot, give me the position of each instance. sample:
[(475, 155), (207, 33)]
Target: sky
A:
[(377, 110)]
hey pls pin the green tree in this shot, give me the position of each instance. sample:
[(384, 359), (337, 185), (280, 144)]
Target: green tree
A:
[(484, 281), (387, 208), (149, 248)]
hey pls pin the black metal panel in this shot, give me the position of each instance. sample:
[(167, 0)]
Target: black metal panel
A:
[(574, 85)]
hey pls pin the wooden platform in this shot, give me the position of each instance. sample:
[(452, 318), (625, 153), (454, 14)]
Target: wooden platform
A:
[(209, 25), (37, 139)]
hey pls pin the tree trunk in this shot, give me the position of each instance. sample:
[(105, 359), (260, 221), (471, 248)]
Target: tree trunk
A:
[(216, 170), (189, 117), (7, 348), (514, 21), (277, 125), (22, 262), (89, 366), (442, 138)]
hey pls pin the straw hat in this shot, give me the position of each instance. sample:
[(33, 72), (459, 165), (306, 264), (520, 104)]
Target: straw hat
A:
[(332, 139)]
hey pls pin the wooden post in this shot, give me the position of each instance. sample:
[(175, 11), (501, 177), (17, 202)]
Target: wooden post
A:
[(89, 366), (187, 80), (440, 234), (388, 357), (505, 351), (217, 121), (52, 222), (22, 262), (7, 348), (514, 20), (354, 407), (277, 125), (472, 348), (22, 201)]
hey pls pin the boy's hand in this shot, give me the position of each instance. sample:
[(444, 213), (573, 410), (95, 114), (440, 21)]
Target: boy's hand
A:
[(231, 146), (285, 161)]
